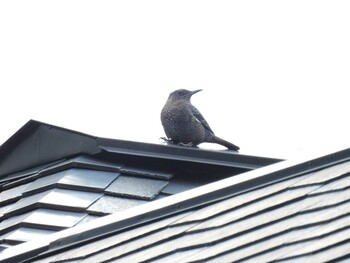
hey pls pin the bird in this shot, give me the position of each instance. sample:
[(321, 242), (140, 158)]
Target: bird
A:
[(185, 125)]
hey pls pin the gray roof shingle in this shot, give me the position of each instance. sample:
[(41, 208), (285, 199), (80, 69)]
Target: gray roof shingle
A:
[(110, 204), (136, 187), (304, 217), (297, 216)]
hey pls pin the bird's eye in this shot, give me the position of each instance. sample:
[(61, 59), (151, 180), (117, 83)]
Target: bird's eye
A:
[(181, 93)]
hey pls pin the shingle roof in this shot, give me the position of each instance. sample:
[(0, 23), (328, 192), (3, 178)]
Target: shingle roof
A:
[(52, 178), (284, 212)]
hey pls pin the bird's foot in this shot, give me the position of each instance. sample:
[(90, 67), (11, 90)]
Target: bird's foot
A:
[(166, 139), (190, 144)]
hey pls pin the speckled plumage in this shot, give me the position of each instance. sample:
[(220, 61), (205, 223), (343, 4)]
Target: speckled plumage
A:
[(184, 124)]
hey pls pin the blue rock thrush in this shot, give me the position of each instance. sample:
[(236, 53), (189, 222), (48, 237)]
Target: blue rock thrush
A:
[(184, 124)]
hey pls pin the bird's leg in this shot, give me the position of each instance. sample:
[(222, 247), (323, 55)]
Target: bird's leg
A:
[(167, 139), (190, 144)]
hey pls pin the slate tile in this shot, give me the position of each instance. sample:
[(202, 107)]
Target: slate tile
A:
[(297, 227), (75, 178), (4, 209), (325, 175), (65, 199), (250, 198), (317, 248), (12, 195), (47, 218), (88, 218), (8, 224), (87, 249), (142, 188), (82, 161), (70, 198), (277, 252), (334, 185), (338, 218), (327, 199), (91, 179), (4, 246), (140, 244), (43, 219), (180, 256), (261, 209), (111, 204), (338, 252), (42, 184), (24, 234), (19, 182), (26, 204)]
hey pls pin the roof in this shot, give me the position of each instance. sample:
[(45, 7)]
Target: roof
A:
[(283, 212), (53, 179), (215, 210)]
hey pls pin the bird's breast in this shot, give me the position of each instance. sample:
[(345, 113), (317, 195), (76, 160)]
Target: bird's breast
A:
[(175, 115), (180, 124)]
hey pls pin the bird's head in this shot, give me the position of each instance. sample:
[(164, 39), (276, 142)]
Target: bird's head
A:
[(182, 94)]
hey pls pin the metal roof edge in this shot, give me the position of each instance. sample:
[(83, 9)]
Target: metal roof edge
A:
[(173, 152), (37, 143), (31, 124), (170, 205)]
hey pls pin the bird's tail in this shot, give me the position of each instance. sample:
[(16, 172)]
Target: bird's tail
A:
[(227, 144)]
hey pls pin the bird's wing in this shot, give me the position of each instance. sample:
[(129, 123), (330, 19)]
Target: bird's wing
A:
[(200, 118)]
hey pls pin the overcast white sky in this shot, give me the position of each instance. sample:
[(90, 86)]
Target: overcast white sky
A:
[(275, 74)]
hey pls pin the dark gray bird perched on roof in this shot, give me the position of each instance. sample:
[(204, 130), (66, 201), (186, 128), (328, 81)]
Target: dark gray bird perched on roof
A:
[(184, 124)]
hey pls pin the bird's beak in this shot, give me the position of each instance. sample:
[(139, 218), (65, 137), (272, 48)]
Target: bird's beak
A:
[(195, 91)]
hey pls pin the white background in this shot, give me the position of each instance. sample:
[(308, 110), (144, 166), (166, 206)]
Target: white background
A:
[(275, 74)]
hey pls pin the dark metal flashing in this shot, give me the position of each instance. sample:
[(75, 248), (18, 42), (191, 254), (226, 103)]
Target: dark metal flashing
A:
[(171, 205), (23, 174), (38, 143), (82, 161), (187, 154), (146, 173)]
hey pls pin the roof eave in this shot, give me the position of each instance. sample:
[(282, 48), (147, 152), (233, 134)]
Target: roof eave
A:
[(225, 158)]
